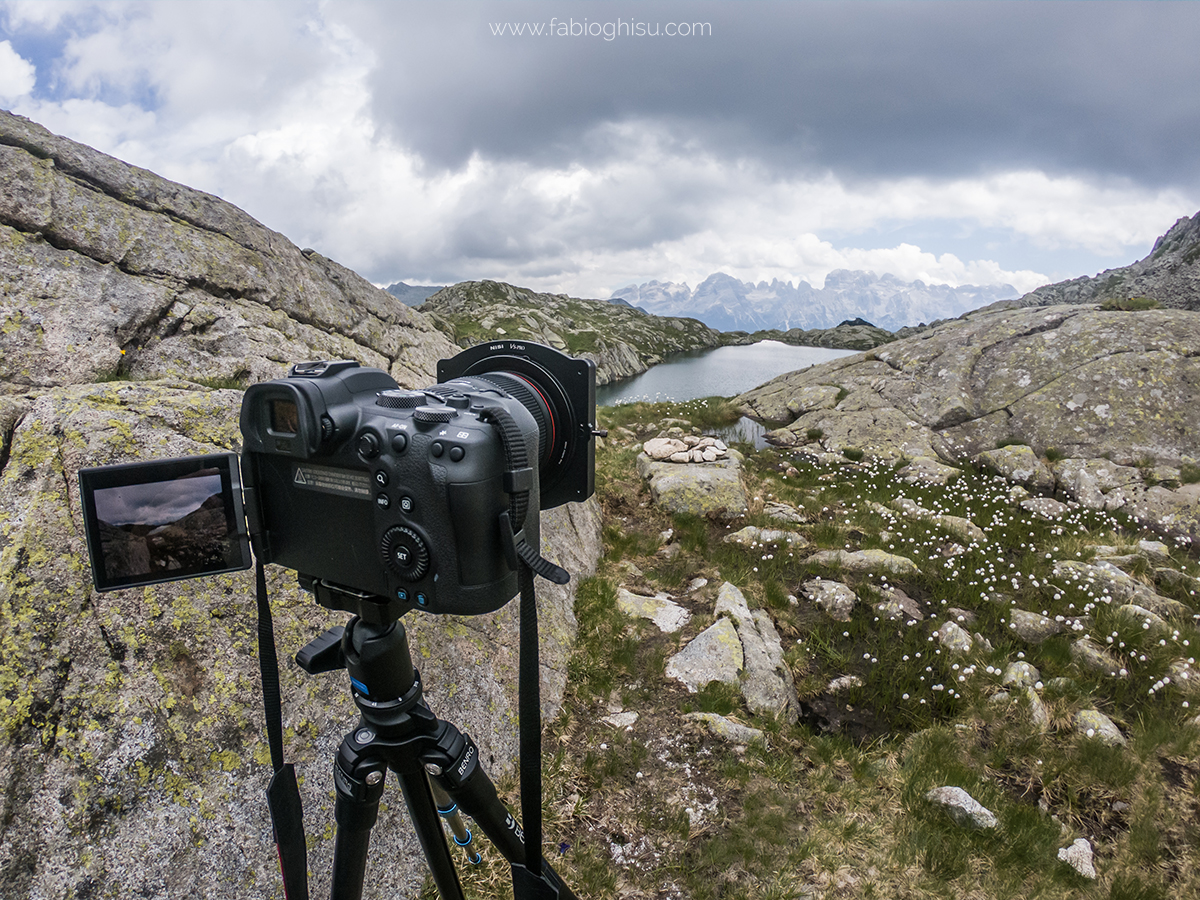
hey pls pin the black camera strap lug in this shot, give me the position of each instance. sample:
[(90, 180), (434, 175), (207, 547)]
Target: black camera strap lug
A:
[(517, 550)]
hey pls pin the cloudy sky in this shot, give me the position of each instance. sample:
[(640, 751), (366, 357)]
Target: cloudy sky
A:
[(426, 141)]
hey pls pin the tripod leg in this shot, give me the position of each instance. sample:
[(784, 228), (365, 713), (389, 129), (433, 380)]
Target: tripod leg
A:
[(428, 827), (356, 806)]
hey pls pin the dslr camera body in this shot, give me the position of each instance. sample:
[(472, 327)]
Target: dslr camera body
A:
[(381, 499)]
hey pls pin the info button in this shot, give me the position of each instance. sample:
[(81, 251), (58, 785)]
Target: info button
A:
[(383, 501)]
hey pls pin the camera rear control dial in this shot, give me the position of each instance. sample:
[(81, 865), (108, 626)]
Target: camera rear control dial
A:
[(405, 553)]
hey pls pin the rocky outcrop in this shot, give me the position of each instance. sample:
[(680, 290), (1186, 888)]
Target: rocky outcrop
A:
[(622, 341), (1101, 407), (109, 270), (855, 335), (1169, 275), (713, 489), (132, 751)]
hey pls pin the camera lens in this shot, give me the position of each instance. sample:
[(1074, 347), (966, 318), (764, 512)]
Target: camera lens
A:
[(559, 391)]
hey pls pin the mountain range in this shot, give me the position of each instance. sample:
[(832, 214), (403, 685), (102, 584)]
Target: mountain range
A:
[(413, 294), (723, 302)]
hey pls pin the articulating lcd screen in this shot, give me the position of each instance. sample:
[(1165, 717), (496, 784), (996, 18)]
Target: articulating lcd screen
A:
[(164, 520)]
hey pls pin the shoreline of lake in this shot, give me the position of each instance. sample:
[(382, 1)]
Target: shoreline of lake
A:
[(717, 372)]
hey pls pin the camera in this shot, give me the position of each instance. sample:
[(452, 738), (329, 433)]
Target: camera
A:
[(381, 499)]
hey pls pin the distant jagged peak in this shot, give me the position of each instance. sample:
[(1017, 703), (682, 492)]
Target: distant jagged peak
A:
[(723, 301)]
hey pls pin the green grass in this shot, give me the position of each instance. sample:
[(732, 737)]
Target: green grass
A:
[(1130, 304), (811, 807)]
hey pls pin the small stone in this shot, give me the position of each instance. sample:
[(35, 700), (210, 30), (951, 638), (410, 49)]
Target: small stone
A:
[(752, 534), (1037, 710), (834, 597), (1020, 674), (1094, 724), (898, 605), (1088, 654), (954, 638), (865, 561), (1141, 617), (663, 448), (962, 807), (621, 719), (727, 728), (845, 683), (1155, 551), (961, 616), (1079, 857), (666, 614)]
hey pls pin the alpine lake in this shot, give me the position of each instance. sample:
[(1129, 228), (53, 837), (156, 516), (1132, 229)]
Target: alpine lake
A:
[(720, 372)]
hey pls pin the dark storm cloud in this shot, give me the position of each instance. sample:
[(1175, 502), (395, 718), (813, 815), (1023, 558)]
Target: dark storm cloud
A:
[(157, 502), (866, 89)]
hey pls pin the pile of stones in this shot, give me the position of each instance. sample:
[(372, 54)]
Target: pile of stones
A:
[(686, 449)]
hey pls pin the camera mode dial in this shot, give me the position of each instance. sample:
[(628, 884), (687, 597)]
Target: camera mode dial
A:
[(400, 399), (405, 553)]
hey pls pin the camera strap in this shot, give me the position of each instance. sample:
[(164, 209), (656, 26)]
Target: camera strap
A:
[(531, 881), (283, 793)]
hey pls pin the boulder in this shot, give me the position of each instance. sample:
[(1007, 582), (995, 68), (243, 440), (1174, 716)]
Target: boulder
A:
[(1018, 464), (713, 655), (109, 270), (712, 489), (1033, 628), (865, 561), (767, 683), (752, 535), (1084, 382)]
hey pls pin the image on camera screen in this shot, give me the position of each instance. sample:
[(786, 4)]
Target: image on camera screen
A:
[(160, 522)]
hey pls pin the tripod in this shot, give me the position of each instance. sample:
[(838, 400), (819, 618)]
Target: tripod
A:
[(437, 766)]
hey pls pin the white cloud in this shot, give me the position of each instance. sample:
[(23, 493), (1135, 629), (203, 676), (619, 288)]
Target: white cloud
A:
[(270, 106), (17, 75)]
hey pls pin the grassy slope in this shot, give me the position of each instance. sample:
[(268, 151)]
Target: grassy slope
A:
[(662, 809)]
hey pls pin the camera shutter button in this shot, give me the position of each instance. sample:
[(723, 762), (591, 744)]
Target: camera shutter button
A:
[(405, 553)]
